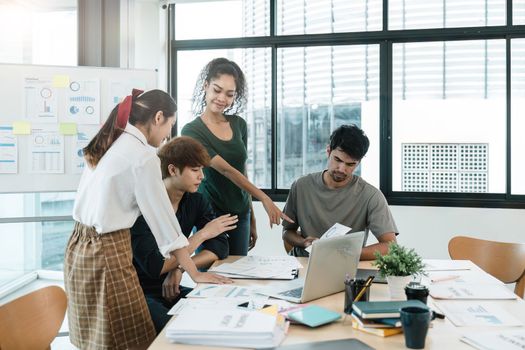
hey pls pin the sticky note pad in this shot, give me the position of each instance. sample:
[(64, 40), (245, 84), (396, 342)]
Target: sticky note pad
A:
[(67, 128), (21, 127), (60, 81)]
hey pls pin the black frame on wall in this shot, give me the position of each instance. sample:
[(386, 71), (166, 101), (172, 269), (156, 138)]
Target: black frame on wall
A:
[(385, 39)]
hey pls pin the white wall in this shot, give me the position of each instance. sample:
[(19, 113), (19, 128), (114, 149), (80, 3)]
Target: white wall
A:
[(426, 229)]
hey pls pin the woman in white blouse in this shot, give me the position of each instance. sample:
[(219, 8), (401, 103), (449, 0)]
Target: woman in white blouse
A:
[(106, 306)]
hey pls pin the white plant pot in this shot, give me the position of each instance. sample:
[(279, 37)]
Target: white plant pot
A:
[(396, 286)]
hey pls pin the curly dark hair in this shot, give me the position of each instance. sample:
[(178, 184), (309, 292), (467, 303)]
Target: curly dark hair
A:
[(214, 69), (350, 139)]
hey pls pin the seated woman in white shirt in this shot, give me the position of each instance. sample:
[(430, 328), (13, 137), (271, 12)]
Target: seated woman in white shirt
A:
[(106, 306)]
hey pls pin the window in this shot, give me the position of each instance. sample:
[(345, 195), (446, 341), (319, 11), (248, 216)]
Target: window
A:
[(34, 227), (517, 120), (449, 123), (221, 19), (320, 88), (328, 16), (433, 99), (415, 14)]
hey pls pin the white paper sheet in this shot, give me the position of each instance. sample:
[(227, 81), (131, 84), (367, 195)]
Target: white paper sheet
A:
[(337, 230), (40, 100), (509, 340), (8, 150), (467, 313), (83, 101), (278, 267), (224, 291), (46, 150), (84, 134), (446, 265), (470, 291)]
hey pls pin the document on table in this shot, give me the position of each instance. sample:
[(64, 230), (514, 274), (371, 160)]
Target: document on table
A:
[(463, 314), (446, 265), (336, 230), (224, 291), (470, 291), (461, 277), (260, 267), (510, 340)]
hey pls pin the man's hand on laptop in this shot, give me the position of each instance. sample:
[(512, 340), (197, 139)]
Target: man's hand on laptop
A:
[(308, 241)]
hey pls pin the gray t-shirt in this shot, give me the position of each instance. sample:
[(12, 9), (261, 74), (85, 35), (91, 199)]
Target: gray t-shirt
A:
[(315, 208)]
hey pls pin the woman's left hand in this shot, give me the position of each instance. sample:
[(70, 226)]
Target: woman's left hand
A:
[(253, 236), (274, 213)]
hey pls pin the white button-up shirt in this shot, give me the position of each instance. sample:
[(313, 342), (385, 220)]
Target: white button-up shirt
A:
[(127, 182)]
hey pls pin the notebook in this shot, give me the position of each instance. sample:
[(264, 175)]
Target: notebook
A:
[(341, 344), (331, 261), (314, 316), (383, 309)]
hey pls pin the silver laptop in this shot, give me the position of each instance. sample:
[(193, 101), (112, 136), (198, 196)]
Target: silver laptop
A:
[(330, 262)]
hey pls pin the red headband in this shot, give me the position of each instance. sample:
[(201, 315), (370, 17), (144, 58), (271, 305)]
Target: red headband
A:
[(124, 108)]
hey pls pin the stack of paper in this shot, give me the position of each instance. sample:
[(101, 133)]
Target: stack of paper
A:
[(260, 267), (227, 327)]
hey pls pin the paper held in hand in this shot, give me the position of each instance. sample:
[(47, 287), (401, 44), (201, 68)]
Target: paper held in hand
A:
[(336, 230)]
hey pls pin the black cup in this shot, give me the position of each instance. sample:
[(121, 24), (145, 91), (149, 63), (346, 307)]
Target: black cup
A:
[(417, 291), (415, 321), (352, 288)]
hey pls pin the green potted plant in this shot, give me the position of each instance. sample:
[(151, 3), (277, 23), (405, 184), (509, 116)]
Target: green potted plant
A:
[(400, 265)]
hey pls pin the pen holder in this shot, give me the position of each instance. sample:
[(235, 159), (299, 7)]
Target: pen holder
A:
[(352, 288)]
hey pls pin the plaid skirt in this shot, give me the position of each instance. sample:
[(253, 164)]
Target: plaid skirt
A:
[(106, 305)]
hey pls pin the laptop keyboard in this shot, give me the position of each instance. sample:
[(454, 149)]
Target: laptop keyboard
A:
[(295, 293)]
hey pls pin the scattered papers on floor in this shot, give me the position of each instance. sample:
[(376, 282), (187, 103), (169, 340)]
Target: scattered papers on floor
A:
[(467, 313)]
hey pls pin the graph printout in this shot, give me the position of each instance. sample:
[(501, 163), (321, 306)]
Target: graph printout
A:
[(83, 101), (8, 150), (46, 150), (40, 100)]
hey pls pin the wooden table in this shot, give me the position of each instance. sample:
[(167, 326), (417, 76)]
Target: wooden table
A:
[(442, 335)]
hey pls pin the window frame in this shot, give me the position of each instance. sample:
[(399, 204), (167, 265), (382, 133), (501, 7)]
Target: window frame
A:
[(385, 39)]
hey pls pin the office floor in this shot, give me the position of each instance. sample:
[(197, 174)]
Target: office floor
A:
[(61, 342)]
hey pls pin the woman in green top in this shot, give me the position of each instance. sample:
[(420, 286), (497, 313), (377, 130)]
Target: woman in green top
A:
[(219, 94)]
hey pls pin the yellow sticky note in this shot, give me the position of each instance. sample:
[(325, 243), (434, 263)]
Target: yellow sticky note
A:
[(67, 128), (21, 127), (60, 81), (270, 310)]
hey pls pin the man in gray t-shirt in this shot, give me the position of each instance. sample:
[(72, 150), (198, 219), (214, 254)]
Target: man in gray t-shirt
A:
[(319, 200)]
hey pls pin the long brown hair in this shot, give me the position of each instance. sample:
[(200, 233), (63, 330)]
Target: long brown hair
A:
[(143, 110)]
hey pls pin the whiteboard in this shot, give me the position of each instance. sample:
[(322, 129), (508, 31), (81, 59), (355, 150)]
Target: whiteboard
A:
[(18, 105)]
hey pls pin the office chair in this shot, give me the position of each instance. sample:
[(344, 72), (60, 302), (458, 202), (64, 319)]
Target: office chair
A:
[(33, 320), (505, 261)]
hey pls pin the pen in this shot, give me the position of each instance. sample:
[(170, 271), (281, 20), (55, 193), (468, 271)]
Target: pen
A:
[(363, 290), (444, 278), (438, 315)]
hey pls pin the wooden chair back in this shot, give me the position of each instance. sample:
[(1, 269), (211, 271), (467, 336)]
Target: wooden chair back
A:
[(505, 261), (33, 320)]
